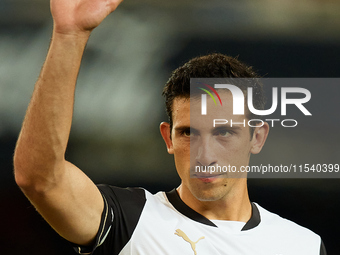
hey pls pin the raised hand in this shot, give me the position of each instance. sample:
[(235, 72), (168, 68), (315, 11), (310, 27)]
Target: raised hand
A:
[(80, 16)]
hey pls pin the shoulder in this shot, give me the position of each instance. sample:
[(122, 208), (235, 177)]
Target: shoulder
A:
[(117, 192), (130, 198), (286, 229)]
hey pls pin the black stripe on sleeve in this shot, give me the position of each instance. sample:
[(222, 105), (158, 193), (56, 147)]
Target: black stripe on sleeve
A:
[(122, 210), (127, 205), (323, 249), (104, 228)]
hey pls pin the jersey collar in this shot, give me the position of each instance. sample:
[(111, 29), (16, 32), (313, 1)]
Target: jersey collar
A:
[(180, 206)]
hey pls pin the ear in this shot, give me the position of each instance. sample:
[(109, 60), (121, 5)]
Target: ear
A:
[(259, 138), (166, 134)]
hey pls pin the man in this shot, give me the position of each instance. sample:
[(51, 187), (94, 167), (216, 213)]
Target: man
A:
[(205, 215)]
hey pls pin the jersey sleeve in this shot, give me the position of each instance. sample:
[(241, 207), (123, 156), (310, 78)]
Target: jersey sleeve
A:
[(122, 210)]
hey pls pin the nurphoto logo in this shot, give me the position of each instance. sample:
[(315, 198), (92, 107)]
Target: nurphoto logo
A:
[(239, 104)]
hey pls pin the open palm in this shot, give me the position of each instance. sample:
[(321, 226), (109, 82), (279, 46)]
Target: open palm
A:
[(74, 16)]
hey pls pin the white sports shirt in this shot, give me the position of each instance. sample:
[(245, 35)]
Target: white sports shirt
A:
[(136, 222)]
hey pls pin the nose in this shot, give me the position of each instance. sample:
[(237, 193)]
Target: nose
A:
[(206, 155)]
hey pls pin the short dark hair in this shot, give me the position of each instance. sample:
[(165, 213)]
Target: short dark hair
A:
[(214, 65)]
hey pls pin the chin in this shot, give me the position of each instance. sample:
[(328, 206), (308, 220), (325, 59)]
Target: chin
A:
[(209, 194)]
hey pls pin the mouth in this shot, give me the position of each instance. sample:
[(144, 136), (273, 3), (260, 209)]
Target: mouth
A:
[(207, 177)]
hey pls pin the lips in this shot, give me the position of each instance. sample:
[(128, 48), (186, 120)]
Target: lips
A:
[(207, 176), (207, 180)]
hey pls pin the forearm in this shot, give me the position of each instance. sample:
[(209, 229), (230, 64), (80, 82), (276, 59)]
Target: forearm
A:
[(60, 191), (43, 139)]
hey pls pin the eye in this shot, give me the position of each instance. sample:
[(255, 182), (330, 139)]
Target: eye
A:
[(223, 133), (187, 133)]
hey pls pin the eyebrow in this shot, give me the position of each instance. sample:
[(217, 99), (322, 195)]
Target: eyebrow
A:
[(226, 127), (216, 129), (183, 128)]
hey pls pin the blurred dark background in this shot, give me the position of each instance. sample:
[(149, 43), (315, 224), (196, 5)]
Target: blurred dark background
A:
[(115, 137)]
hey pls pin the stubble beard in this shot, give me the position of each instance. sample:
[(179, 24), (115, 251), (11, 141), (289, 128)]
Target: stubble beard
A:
[(209, 192)]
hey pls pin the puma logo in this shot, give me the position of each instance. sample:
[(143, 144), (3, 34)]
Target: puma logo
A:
[(186, 238)]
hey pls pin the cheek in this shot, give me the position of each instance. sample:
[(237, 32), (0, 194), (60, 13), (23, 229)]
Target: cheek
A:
[(236, 152), (182, 156), (244, 153), (181, 146), (182, 153)]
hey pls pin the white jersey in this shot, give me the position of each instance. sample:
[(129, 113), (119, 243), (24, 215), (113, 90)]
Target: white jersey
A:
[(137, 222)]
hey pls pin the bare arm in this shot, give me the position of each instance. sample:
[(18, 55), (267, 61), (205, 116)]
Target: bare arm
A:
[(62, 193)]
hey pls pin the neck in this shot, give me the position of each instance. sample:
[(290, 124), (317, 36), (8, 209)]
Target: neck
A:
[(234, 206)]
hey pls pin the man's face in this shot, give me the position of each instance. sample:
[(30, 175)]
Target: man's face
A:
[(196, 142)]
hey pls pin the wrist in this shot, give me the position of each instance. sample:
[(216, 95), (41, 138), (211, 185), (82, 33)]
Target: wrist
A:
[(68, 45), (73, 35)]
